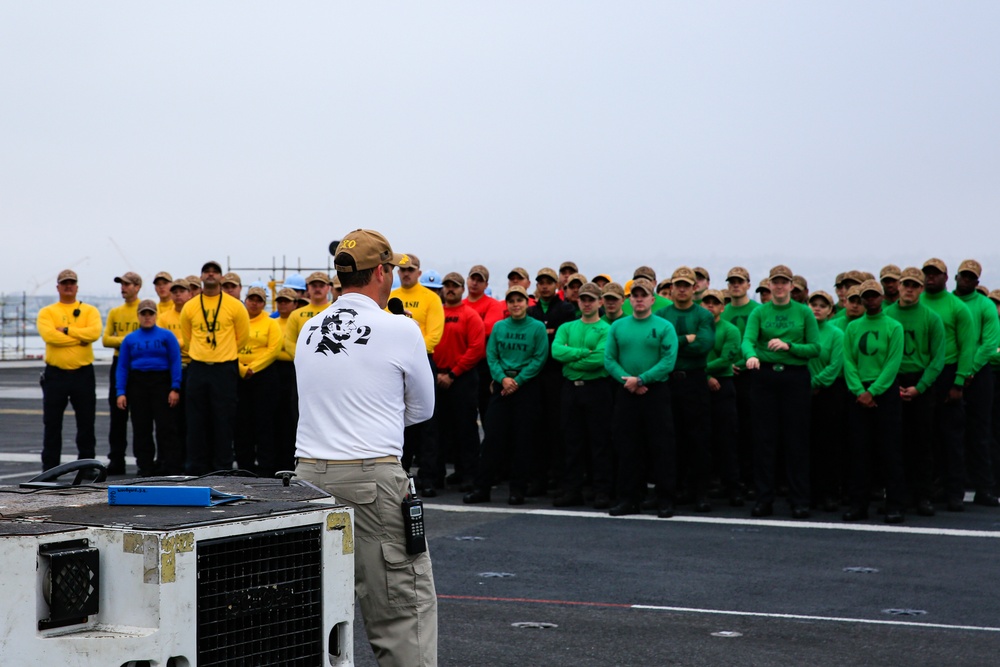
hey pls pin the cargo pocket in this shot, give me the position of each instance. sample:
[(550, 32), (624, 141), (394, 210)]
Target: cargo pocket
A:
[(400, 575), (361, 496)]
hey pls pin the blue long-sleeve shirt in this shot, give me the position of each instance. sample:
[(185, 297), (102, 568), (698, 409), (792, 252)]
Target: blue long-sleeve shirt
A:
[(153, 349)]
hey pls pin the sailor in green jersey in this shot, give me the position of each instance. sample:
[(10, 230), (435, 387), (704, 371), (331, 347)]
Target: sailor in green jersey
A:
[(613, 297), (840, 291), (800, 289), (704, 282), (828, 409), (517, 349), (736, 313), (586, 395), (890, 276), (848, 280), (854, 308), (923, 360), (571, 291), (764, 290), (723, 416), (994, 297), (780, 338), (873, 351), (949, 410), (639, 355), (665, 288), (979, 389), (649, 274), (689, 397)]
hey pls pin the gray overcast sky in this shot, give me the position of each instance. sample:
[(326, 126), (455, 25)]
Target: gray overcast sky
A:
[(827, 135)]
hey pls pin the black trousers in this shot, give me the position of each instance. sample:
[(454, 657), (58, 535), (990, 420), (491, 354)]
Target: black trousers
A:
[(828, 455), (211, 412), (949, 435), (551, 456), (875, 435), (978, 397), (782, 399), (587, 434), (254, 436), (417, 438), (995, 427), (511, 432), (118, 432), (644, 431), (60, 387), (724, 425), (147, 395), (744, 384), (458, 433), (917, 423), (285, 406), (691, 408)]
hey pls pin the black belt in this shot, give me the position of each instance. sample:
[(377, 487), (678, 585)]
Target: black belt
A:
[(213, 363), (779, 368), (583, 383)]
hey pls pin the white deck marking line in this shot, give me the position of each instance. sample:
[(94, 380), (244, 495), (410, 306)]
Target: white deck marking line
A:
[(801, 617), (815, 525)]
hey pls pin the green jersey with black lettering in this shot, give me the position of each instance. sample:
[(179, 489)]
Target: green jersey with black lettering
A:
[(873, 351), (517, 349), (645, 348), (792, 323), (923, 342), (825, 368)]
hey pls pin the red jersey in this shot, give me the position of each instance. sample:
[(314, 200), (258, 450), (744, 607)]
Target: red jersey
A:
[(490, 311), (463, 343)]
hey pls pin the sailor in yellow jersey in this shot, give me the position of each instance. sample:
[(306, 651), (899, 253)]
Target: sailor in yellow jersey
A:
[(162, 283), (69, 328), (423, 304), (215, 326), (285, 402), (232, 285), (254, 440), (194, 285), (122, 321), (318, 290)]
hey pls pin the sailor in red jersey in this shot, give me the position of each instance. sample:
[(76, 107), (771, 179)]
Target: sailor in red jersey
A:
[(490, 311)]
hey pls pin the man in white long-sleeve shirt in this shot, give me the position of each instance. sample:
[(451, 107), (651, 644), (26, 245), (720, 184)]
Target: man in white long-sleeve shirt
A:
[(362, 376)]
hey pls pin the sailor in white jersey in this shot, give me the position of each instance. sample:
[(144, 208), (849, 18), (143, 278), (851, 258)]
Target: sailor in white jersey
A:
[(362, 376)]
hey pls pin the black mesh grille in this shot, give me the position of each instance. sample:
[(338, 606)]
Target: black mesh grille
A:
[(260, 599)]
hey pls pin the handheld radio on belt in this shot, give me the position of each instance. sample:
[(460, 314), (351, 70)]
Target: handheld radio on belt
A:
[(413, 521)]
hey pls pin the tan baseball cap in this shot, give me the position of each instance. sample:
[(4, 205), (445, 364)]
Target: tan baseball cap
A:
[(516, 289), (666, 283), (890, 271), (972, 266), (764, 286), (936, 263), (702, 272), (781, 271), (590, 289), (481, 271), (871, 285), (854, 276), (801, 283), (983, 289), (569, 265), (365, 249), (163, 275), (180, 283), (414, 261), (645, 272), (853, 290), (576, 277), (547, 272), (232, 278), (912, 273), (738, 272), (257, 291), (147, 305), (67, 274), (820, 294), (839, 279), (995, 295), (613, 290), (193, 281), (684, 274), (286, 293), (320, 276), (644, 284), (130, 278), (522, 272), (454, 277), (713, 294)]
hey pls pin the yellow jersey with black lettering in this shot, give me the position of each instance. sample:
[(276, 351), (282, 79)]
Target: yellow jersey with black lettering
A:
[(122, 320), (427, 311), (299, 317), (262, 346)]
